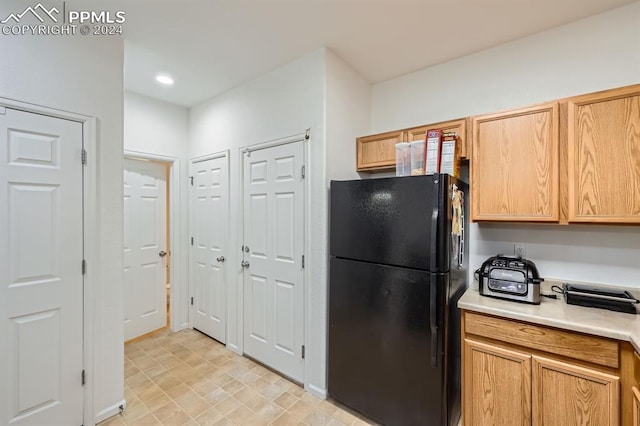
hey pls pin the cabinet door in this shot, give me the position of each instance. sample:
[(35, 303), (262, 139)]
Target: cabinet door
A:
[(377, 153), (636, 406), (496, 385), (604, 156), (457, 126), (514, 165), (568, 394)]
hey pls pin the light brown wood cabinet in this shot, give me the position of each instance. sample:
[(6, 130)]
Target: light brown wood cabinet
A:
[(517, 373), (636, 406), (604, 156), (514, 165), (497, 385), (459, 127), (568, 394), (576, 160), (377, 153)]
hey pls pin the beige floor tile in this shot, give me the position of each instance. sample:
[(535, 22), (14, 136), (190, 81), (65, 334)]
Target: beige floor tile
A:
[(186, 378), (179, 419), (228, 405), (178, 390), (159, 401), (240, 415), (257, 402), (193, 404), (285, 400), (286, 419), (233, 386), (270, 411), (217, 396), (209, 417), (167, 410), (300, 409), (148, 420)]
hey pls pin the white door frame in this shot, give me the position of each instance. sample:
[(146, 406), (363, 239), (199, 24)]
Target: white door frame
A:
[(175, 254), (90, 234), (191, 289), (300, 137)]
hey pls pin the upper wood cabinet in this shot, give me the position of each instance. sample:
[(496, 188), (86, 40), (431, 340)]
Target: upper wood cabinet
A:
[(636, 406), (459, 127), (604, 156), (377, 153), (514, 165)]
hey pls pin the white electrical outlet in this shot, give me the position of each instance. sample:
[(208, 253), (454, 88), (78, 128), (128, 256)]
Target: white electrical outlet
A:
[(520, 250)]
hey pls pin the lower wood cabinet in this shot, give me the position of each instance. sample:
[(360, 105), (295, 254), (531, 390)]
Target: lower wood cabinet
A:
[(505, 384), (636, 406), (497, 385), (567, 394)]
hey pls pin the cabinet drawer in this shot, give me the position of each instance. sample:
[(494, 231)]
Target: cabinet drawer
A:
[(596, 350)]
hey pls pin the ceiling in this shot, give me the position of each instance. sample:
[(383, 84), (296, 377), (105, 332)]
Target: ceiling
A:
[(212, 46)]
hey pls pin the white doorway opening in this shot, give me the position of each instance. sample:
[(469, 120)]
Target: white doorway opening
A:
[(173, 248)]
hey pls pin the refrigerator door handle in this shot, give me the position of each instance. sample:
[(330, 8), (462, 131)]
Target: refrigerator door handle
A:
[(434, 239), (433, 321)]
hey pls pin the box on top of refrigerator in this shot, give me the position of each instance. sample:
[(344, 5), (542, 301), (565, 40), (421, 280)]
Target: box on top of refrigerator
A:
[(432, 152), (450, 154)]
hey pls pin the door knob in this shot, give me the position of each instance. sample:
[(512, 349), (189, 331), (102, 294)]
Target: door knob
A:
[(244, 264), (220, 259), (162, 253)]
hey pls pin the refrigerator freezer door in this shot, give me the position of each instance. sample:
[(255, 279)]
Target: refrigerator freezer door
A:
[(380, 360), (390, 221)]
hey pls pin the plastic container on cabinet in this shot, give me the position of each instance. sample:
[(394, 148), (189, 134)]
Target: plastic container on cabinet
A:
[(403, 159), (417, 157)]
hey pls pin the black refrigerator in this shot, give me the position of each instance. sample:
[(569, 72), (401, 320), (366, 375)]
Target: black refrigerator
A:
[(398, 265)]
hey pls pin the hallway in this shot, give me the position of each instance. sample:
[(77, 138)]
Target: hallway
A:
[(187, 378)]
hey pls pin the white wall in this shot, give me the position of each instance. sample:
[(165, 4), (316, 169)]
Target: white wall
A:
[(84, 75), (347, 105), (281, 103), (596, 53), (160, 128)]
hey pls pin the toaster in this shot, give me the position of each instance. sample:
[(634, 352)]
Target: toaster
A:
[(510, 278)]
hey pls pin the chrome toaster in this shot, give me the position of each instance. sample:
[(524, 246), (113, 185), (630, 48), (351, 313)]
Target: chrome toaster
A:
[(510, 278)]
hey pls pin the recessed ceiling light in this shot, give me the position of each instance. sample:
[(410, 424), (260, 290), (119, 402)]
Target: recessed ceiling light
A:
[(164, 79)]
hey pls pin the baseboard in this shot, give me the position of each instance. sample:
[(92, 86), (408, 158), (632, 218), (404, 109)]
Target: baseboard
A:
[(110, 411), (316, 391), (234, 348)]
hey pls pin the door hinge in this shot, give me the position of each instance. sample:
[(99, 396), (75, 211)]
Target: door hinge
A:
[(307, 134), (84, 157), (3, 110), (191, 179), (84, 378), (84, 267), (191, 240), (303, 260), (303, 171), (192, 301), (302, 351)]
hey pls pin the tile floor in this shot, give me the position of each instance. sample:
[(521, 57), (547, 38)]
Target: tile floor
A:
[(187, 378)]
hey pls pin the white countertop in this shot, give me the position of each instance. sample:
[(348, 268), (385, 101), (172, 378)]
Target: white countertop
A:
[(556, 313)]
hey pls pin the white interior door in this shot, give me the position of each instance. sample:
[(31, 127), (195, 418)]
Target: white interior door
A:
[(273, 276), (145, 247), (41, 283), (210, 225)]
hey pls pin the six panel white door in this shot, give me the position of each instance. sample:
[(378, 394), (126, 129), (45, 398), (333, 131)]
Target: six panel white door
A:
[(41, 283), (145, 237), (273, 278), (209, 226)]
